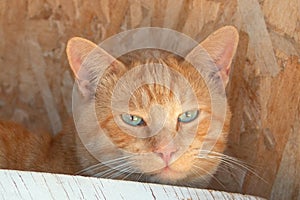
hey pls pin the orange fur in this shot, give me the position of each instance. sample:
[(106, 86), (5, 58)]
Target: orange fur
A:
[(22, 150), (184, 170), (67, 152)]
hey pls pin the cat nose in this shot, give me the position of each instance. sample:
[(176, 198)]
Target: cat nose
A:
[(166, 153)]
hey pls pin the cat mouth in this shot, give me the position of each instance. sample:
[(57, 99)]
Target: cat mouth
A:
[(167, 169)]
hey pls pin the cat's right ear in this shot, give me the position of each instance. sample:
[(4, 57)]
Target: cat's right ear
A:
[(221, 47), (87, 60)]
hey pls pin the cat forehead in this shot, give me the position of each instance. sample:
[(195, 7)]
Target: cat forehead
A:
[(155, 83), (161, 68), (162, 79)]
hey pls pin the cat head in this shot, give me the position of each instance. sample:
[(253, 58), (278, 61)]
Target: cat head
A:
[(155, 108)]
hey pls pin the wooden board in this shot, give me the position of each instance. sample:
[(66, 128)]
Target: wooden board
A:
[(33, 185)]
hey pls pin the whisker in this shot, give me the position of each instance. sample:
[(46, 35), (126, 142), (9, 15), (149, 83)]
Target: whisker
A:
[(124, 171), (231, 162), (90, 168), (223, 157), (198, 174), (104, 173), (138, 176), (103, 164), (117, 168), (248, 169), (128, 175), (208, 173), (118, 159), (236, 174)]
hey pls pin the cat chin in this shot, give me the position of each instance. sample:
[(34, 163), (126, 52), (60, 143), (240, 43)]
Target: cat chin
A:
[(180, 179), (172, 177), (167, 176)]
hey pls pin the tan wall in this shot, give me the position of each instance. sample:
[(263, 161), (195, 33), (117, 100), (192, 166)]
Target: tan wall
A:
[(35, 81)]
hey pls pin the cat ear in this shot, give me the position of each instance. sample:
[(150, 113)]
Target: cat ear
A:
[(221, 46), (88, 60)]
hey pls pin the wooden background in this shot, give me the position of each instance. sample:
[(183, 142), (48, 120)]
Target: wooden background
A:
[(36, 83)]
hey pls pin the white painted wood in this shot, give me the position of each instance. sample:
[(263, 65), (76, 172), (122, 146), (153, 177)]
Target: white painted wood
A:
[(32, 185)]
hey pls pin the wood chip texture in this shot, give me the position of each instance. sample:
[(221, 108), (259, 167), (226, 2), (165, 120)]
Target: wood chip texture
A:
[(264, 89)]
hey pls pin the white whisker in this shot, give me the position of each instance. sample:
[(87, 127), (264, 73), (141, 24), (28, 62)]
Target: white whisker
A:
[(127, 170), (117, 168), (229, 161), (198, 174), (101, 165), (209, 174), (130, 173)]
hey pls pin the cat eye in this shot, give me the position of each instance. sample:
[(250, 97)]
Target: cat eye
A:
[(132, 120), (188, 116)]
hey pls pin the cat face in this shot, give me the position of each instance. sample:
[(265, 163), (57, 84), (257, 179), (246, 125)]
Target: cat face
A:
[(163, 128), (156, 110)]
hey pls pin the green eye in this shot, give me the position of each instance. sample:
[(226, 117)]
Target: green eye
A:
[(188, 116), (132, 120)]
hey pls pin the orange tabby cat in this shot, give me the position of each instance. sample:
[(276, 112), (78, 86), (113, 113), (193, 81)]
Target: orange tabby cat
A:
[(149, 132)]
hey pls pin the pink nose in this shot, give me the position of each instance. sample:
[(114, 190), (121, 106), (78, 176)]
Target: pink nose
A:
[(166, 153)]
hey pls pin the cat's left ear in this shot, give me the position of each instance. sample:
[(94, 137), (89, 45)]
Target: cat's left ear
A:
[(88, 61), (221, 46)]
